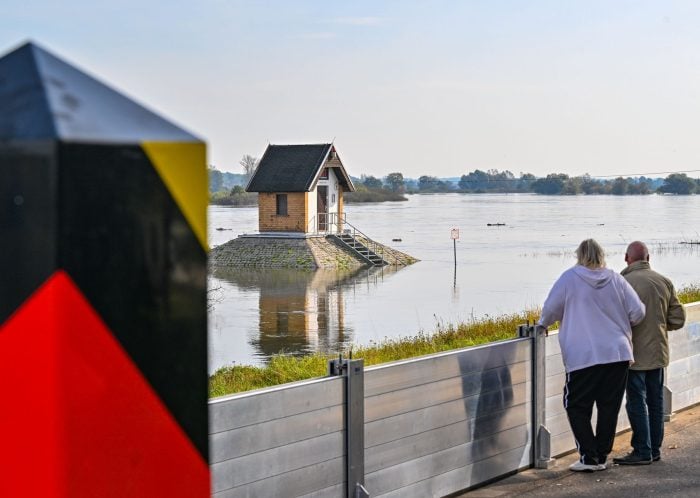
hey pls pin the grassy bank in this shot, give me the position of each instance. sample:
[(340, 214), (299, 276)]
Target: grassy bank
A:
[(284, 368), (689, 294)]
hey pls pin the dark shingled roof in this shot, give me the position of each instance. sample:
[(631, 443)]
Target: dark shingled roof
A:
[(43, 97), (293, 168)]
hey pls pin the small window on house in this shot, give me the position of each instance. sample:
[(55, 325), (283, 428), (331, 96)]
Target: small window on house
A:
[(324, 174), (281, 204)]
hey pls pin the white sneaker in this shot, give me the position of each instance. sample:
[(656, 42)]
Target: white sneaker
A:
[(602, 466), (584, 467)]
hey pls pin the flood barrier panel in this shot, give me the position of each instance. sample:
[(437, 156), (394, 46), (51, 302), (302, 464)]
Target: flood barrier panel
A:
[(439, 424), (284, 441)]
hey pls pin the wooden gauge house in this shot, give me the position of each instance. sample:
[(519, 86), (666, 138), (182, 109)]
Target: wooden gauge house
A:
[(300, 189)]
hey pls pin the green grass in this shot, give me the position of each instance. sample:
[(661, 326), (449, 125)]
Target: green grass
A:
[(287, 368), (689, 294), (283, 368)]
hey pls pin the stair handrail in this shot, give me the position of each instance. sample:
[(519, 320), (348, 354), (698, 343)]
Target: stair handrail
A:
[(373, 246)]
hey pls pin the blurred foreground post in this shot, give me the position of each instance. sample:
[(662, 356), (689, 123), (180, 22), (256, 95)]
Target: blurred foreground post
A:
[(103, 338)]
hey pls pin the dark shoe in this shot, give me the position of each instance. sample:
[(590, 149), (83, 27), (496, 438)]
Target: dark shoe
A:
[(632, 459), (656, 458)]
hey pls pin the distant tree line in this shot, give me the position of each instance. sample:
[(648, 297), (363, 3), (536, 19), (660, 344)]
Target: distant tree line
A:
[(494, 181), (561, 184), (223, 180), (373, 189), (229, 188)]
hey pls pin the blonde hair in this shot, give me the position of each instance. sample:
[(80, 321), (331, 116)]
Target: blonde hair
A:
[(590, 254)]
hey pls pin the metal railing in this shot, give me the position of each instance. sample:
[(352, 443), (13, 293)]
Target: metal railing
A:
[(358, 235), (335, 224), (326, 223)]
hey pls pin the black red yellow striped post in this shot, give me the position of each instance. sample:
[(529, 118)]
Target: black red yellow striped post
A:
[(103, 342)]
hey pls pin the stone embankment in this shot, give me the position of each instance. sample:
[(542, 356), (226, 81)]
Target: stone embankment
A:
[(302, 253)]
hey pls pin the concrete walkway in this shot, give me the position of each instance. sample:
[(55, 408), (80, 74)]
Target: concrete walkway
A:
[(677, 474)]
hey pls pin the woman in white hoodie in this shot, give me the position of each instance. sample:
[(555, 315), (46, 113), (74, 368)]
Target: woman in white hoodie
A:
[(597, 308)]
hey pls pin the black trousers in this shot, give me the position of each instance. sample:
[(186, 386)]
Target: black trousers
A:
[(603, 385)]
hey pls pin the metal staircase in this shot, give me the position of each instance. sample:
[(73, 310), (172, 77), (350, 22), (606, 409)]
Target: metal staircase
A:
[(346, 235), (357, 244)]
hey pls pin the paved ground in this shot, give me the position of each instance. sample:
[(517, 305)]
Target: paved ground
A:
[(677, 474)]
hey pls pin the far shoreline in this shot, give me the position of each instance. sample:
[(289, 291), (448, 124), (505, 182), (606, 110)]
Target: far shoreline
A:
[(370, 198)]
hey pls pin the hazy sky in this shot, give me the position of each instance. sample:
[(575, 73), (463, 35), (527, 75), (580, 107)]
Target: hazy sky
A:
[(440, 88)]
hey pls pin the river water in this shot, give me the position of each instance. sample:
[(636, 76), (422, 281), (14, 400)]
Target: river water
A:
[(500, 269)]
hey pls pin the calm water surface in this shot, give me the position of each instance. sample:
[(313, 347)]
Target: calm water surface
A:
[(500, 269)]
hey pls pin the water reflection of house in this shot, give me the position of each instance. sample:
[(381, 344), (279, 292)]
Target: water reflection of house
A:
[(300, 312), (300, 188)]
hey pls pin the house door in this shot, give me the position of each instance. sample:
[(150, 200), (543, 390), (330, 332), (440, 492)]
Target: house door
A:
[(322, 208)]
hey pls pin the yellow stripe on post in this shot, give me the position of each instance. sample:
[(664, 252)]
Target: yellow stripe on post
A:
[(183, 169)]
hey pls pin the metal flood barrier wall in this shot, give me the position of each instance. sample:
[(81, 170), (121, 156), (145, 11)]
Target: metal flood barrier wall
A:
[(286, 441), (432, 426), (440, 424), (429, 426), (683, 372)]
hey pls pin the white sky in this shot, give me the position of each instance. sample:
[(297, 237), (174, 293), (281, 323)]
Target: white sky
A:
[(438, 88)]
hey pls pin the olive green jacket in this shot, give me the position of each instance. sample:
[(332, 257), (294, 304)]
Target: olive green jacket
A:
[(664, 313)]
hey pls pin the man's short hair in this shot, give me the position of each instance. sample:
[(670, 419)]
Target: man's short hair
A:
[(637, 251), (590, 254)]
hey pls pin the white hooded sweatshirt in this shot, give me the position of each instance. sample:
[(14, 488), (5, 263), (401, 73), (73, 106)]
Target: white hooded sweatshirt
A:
[(596, 309)]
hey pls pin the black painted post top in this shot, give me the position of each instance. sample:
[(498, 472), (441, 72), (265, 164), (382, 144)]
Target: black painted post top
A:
[(44, 97)]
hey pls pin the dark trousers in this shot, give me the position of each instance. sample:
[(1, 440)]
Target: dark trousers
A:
[(603, 385), (645, 409)]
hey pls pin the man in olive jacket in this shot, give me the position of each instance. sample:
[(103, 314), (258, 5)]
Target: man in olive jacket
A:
[(645, 393)]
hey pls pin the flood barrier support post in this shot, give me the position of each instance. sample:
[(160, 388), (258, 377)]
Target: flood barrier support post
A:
[(668, 401), (541, 437), (353, 372)]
